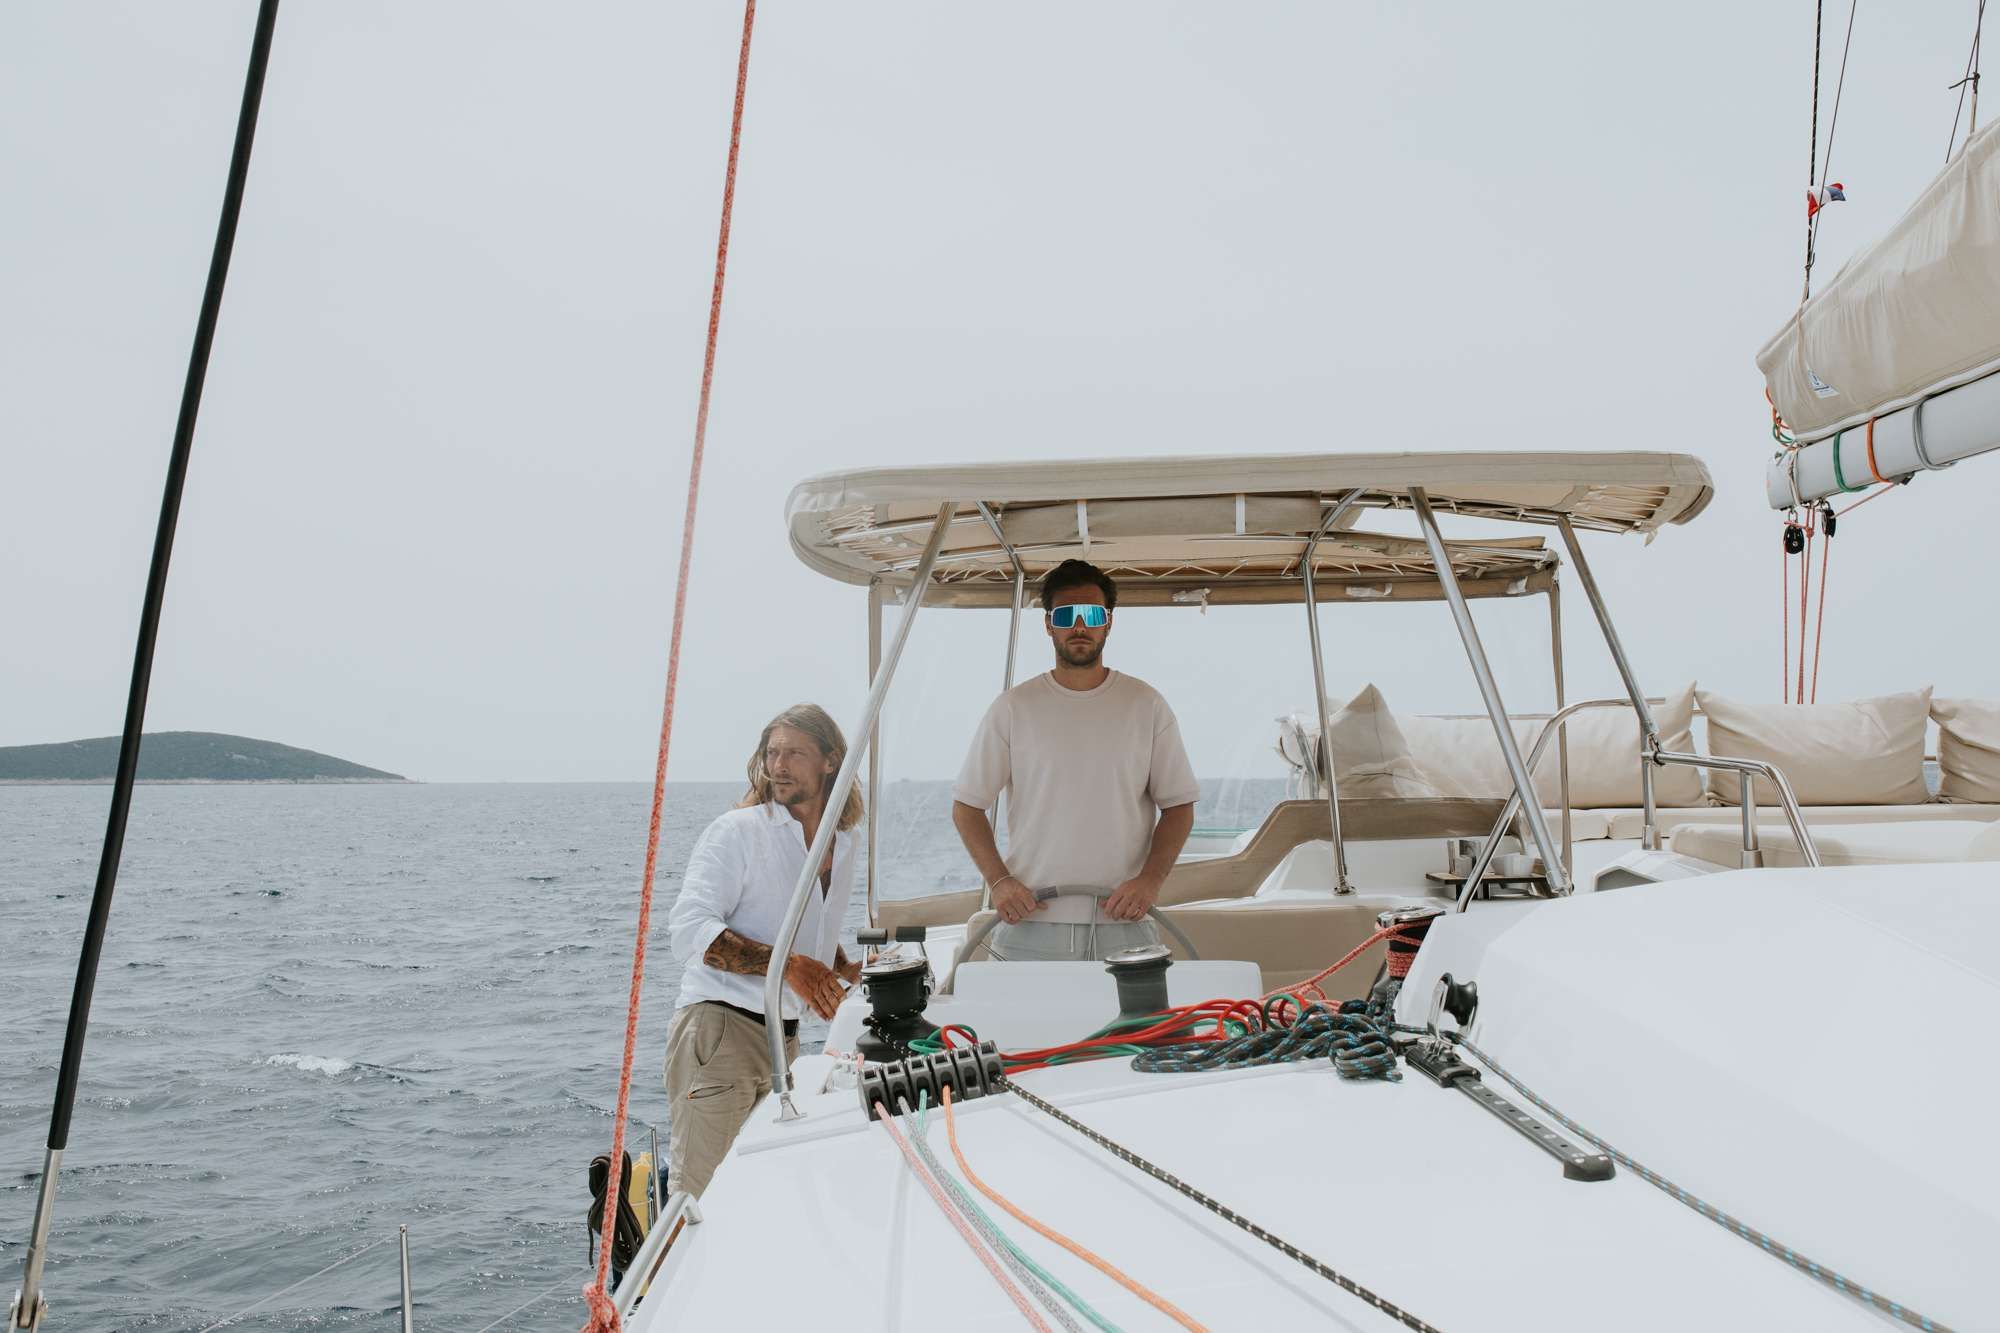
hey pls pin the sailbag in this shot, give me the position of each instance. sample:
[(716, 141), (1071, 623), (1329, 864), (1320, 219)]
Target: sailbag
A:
[(1915, 313)]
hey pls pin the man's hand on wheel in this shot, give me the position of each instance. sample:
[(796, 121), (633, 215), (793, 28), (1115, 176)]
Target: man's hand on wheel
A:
[(1013, 902), (814, 983), (1131, 900)]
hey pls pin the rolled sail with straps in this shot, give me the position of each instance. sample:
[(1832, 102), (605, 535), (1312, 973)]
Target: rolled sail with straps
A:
[(1890, 368)]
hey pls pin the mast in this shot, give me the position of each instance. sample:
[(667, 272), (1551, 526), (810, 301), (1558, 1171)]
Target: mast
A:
[(29, 1306)]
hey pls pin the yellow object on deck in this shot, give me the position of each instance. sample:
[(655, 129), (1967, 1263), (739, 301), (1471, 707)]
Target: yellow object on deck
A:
[(639, 1190)]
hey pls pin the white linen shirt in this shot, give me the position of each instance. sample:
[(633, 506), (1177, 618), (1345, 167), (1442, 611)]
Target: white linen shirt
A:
[(740, 877)]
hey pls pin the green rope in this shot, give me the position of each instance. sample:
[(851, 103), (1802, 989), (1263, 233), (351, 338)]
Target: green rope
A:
[(971, 1205), (1838, 479)]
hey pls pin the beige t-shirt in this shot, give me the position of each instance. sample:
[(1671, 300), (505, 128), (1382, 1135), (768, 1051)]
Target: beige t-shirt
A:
[(1086, 773)]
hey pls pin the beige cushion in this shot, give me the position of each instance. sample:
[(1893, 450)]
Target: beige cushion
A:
[(1370, 756), (1968, 749), (1604, 756), (1905, 843), (1463, 756), (1627, 823), (1867, 752)]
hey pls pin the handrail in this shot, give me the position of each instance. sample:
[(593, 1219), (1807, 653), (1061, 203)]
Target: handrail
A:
[(1752, 855), (1513, 802), (843, 783), (1808, 850), (645, 1266)]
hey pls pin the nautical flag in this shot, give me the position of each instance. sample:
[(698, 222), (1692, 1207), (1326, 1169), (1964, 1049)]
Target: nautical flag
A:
[(1824, 195)]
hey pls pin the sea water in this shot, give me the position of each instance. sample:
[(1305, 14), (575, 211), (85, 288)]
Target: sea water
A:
[(324, 1011)]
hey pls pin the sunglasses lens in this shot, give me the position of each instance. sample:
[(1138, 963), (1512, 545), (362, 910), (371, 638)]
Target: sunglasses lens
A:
[(1065, 617)]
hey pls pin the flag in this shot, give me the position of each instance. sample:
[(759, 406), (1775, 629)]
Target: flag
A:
[(1826, 194)]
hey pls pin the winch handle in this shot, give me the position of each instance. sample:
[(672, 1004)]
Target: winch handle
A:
[(1082, 891)]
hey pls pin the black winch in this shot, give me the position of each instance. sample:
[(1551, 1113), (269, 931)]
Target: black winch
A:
[(897, 989)]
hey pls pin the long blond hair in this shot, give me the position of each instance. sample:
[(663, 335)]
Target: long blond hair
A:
[(813, 721)]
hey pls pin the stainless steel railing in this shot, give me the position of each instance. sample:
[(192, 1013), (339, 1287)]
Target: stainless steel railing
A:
[(682, 1209), (1746, 769)]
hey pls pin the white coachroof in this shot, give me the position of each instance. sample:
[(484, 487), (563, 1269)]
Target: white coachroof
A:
[(1225, 529)]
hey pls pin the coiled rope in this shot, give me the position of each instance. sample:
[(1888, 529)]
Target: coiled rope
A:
[(1844, 1285), (603, 1313), (1356, 1037)]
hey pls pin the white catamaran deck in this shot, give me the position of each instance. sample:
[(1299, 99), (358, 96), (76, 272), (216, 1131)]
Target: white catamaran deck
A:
[(1829, 1101)]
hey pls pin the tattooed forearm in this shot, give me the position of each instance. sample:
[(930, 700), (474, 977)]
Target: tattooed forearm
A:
[(733, 953), (839, 957)]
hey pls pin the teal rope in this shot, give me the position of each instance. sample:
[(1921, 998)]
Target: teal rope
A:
[(965, 1201), (1838, 479)]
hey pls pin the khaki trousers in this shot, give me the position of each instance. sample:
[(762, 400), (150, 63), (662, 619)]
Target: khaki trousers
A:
[(718, 1069)]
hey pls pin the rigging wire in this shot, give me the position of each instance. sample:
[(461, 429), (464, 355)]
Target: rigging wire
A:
[(603, 1314), (533, 1301), (1971, 80), (1833, 128), (337, 1263)]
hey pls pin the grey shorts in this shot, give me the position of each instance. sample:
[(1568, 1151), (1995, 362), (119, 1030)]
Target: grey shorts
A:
[(1067, 942)]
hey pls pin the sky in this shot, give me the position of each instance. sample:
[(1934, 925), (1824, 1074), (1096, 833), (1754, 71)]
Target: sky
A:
[(434, 509)]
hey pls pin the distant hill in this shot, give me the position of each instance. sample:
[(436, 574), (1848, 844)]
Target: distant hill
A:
[(182, 756)]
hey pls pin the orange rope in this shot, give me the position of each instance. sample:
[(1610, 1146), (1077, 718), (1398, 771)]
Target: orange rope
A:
[(603, 1314), (1312, 982), (1875, 494), (1785, 614), (1805, 601), (1152, 1298), (965, 1230), (1873, 471), (1819, 628)]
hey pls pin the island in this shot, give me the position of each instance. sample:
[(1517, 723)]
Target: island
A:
[(181, 756)]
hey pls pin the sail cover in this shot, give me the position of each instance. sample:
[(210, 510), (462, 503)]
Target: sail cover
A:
[(1914, 313)]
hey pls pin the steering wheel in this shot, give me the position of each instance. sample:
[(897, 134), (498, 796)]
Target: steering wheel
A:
[(978, 937)]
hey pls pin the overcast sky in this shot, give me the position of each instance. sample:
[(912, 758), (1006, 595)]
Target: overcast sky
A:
[(434, 508)]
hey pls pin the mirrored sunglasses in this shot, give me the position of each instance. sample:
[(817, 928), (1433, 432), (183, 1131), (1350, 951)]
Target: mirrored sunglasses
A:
[(1096, 617)]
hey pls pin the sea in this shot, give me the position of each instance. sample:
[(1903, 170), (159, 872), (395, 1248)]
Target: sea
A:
[(324, 1012)]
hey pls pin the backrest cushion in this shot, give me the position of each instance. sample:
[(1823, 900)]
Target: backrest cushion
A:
[(1865, 752), (1968, 749), (1463, 755), (1371, 756)]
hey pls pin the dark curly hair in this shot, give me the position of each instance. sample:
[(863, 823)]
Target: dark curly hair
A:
[(1078, 574)]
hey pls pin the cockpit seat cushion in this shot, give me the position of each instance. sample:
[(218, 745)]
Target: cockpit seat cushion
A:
[(1626, 823), (1905, 843), (1968, 749)]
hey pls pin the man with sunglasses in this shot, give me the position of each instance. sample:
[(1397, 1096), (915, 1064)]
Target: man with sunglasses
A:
[(1100, 795)]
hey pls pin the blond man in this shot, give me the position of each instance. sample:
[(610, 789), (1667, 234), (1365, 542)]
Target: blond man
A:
[(732, 903)]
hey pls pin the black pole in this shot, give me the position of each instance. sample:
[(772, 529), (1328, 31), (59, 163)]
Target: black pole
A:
[(149, 626)]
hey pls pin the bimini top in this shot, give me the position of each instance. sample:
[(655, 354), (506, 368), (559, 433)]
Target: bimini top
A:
[(1226, 529)]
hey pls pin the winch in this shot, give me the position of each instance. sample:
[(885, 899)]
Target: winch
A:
[(897, 989)]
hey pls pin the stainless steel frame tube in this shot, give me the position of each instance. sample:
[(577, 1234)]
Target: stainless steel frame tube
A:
[(1489, 689), (1649, 734), (403, 1244), (1753, 855), (1551, 728), (874, 734), (1808, 849), (1562, 731), (1333, 516), (1013, 643), (843, 783)]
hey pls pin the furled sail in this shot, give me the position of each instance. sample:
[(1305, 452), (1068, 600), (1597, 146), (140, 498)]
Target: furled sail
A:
[(1911, 318)]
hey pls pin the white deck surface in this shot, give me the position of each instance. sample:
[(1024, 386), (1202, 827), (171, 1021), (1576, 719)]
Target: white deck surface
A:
[(1803, 1048)]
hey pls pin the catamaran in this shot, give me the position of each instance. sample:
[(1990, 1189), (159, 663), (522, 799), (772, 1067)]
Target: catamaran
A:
[(1647, 1091)]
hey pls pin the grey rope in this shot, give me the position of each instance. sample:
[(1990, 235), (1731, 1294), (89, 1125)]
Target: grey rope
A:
[(1221, 1210), (1355, 1038), (1832, 128), (995, 1241), (1844, 1285)]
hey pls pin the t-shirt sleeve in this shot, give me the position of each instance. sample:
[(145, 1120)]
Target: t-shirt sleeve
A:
[(989, 763), (1172, 781)]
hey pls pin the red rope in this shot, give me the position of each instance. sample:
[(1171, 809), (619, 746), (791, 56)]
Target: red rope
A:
[(603, 1314), (1785, 614), (1819, 627), (1805, 601)]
